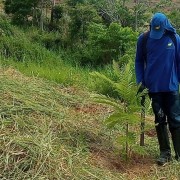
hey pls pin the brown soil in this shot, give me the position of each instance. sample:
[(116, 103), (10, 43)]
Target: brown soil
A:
[(137, 166), (151, 133), (92, 109), (106, 158)]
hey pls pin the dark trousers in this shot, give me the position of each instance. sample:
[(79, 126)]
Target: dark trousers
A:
[(166, 107)]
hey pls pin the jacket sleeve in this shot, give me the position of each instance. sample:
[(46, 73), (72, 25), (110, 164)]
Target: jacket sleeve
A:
[(139, 61), (178, 56)]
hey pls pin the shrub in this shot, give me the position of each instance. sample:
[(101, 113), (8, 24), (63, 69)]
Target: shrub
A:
[(105, 44)]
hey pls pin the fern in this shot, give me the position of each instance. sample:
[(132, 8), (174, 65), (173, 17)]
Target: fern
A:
[(116, 69), (113, 120), (102, 76)]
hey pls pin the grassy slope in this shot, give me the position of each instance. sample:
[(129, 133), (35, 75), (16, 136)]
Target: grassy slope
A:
[(45, 129), (53, 132), (48, 131)]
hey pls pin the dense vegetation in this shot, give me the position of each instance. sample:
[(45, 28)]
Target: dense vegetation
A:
[(50, 127)]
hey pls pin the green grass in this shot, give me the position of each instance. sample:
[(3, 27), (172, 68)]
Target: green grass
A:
[(53, 70), (64, 72)]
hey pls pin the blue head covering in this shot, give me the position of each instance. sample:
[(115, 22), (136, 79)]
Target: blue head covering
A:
[(159, 24)]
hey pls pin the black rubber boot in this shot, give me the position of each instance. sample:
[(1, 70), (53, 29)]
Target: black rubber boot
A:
[(176, 142), (164, 144)]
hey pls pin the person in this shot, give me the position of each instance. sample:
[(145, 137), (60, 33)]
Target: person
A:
[(159, 72)]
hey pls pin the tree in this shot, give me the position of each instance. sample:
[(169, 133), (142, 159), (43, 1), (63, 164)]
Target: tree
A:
[(115, 11), (81, 17), (125, 116), (140, 16), (56, 13), (20, 10), (123, 12), (107, 43)]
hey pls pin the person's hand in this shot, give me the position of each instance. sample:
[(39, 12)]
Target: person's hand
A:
[(140, 90)]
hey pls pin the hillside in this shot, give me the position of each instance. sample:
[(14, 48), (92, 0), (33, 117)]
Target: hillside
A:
[(50, 127), (42, 128), (53, 132)]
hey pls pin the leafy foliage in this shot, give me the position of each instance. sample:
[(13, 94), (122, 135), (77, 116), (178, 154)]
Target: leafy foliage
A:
[(81, 17), (126, 106), (107, 43), (174, 16), (20, 9), (75, 2), (56, 13), (115, 11)]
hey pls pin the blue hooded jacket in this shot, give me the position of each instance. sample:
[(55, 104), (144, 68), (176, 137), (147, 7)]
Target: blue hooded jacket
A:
[(161, 71)]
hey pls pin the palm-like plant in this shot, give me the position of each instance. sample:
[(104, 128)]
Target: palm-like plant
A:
[(126, 107)]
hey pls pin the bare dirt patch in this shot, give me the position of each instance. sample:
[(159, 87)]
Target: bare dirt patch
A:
[(92, 109), (137, 166), (151, 133)]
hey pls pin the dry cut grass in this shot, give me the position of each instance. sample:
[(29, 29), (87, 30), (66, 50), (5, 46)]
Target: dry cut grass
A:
[(48, 131)]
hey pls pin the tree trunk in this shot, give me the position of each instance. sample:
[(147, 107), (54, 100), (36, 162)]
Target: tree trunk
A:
[(53, 4), (42, 17), (136, 15), (127, 144)]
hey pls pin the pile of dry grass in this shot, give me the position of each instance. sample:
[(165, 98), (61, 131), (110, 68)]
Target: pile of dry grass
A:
[(34, 118), (46, 129)]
